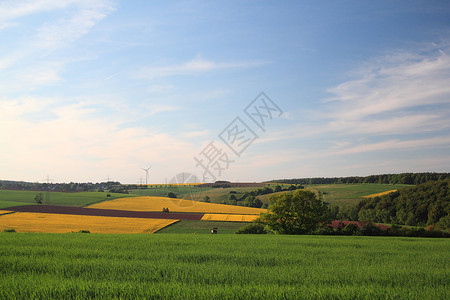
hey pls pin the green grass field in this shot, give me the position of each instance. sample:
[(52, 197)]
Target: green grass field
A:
[(182, 192), (347, 194), (217, 195), (14, 198), (189, 266)]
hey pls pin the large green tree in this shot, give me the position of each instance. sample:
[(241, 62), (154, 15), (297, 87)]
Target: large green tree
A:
[(299, 212)]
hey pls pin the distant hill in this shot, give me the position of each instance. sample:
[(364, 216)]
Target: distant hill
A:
[(402, 178), (425, 204)]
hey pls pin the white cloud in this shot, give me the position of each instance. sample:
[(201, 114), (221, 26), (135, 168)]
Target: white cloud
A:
[(51, 34), (10, 10), (72, 146), (153, 109), (393, 145), (55, 35), (194, 66)]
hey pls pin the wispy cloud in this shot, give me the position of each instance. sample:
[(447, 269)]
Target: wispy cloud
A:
[(10, 10), (394, 145), (54, 34), (194, 66), (395, 94)]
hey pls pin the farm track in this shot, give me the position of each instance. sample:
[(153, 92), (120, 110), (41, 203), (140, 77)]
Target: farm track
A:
[(70, 210)]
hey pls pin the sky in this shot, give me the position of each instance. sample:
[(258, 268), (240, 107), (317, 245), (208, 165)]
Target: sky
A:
[(244, 91)]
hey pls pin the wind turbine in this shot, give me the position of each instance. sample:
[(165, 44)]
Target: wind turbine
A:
[(146, 174), (204, 177)]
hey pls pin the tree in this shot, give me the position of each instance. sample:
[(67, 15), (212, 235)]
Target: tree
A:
[(252, 201), (254, 228), (171, 195), (38, 198), (206, 199), (295, 213)]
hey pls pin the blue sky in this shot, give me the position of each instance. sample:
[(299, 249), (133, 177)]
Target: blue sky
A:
[(91, 90)]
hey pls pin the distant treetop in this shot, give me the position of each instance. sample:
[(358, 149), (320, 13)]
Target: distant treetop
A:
[(402, 178)]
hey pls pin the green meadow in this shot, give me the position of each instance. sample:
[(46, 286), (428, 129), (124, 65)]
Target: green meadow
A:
[(10, 198), (351, 193), (191, 266)]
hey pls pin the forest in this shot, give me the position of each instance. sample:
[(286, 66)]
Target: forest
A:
[(402, 178), (421, 205)]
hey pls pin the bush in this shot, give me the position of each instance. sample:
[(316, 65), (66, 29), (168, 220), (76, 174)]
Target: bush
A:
[(171, 195), (370, 229), (325, 230), (9, 230), (84, 231), (255, 228), (351, 229)]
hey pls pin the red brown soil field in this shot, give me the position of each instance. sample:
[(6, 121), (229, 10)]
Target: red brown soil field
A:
[(68, 210), (233, 184)]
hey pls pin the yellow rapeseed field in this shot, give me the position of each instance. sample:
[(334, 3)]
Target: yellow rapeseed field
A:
[(4, 212), (230, 218), (149, 203), (58, 223), (379, 194)]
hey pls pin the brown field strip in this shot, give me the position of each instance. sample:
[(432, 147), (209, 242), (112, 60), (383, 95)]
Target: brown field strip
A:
[(57, 223), (149, 203), (229, 218), (83, 211)]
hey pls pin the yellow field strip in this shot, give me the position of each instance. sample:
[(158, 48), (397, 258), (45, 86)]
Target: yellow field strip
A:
[(379, 194), (229, 218), (4, 212), (148, 203), (56, 223)]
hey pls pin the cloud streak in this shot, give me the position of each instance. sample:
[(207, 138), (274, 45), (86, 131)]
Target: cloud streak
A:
[(195, 66), (395, 94)]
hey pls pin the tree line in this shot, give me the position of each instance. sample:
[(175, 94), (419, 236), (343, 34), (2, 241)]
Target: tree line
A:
[(59, 187), (249, 199), (302, 212), (421, 205), (402, 178)]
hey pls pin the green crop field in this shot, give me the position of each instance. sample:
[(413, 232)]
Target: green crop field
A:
[(181, 191), (14, 198), (217, 195), (190, 266), (202, 227)]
